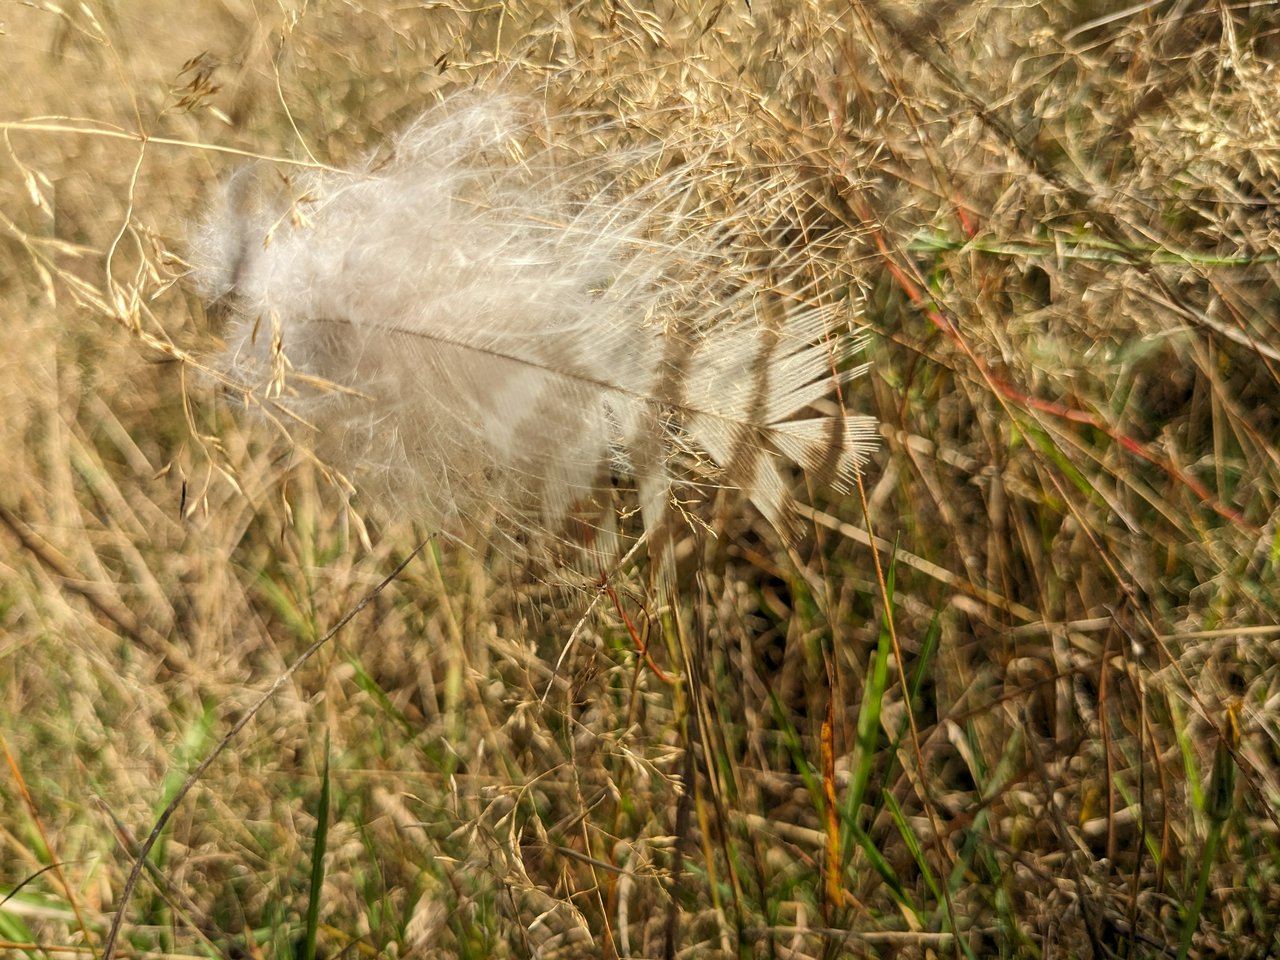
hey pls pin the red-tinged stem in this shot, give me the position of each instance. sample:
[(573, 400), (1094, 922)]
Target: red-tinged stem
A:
[(640, 645), (916, 295)]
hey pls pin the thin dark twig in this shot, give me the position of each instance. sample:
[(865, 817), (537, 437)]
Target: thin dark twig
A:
[(1087, 907), (108, 949), (26, 880)]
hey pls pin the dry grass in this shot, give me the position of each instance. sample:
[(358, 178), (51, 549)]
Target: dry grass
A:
[(1051, 732)]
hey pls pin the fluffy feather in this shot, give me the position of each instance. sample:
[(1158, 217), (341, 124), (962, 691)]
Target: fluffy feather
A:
[(484, 334)]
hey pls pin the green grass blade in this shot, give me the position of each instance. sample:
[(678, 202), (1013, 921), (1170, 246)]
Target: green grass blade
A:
[(317, 859)]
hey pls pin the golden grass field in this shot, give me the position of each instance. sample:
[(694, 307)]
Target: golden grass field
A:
[(1017, 697)]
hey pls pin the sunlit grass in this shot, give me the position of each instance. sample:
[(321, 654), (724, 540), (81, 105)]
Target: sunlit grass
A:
[(1059, 224)]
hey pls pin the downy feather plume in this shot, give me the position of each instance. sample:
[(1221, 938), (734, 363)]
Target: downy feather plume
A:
[(488, 331)]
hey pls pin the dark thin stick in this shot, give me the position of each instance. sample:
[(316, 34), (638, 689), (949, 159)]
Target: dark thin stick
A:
[(108, 948), (14, 892), (1091, 925)]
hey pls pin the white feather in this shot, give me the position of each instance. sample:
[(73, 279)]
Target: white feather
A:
[(504, 331)]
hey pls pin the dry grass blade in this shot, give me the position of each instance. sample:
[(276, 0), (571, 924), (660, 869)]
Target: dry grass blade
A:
[(162, 821), (1057, 225)]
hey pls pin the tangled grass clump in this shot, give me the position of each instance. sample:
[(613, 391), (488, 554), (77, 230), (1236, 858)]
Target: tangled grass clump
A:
[(1013, 695)]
